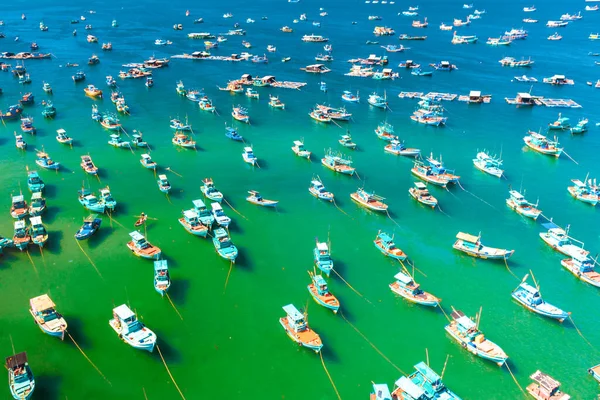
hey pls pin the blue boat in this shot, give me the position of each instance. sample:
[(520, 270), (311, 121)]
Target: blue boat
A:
[(320, 293), (531, 298), (322, 257), (90, 201), (224, 245), (422, 384), (204, 214), (562, 123), (420, 72), (163, 184), (107, 199), (34, 182), (96, 116), (90, 225), (232, 134), (44, 161), (385, 244), (162, 280), (49, 110), (79, 76), (406, 287), (12, 113), (581, 126), (192, 224), (20, 378), (5, 242), (111, 82)]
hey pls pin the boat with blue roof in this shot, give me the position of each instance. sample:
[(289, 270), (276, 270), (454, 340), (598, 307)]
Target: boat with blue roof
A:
[(50, 321), (204, 214), (562, 123), (581, 126), (21, 381), (296, 327), (223, 245), (233, 134), (129, 329), (162, 279), (34, 182), (531, 298), (322, 257), (435, 172), (192, 224), (385, 243), (45, 161), (91, 224), (398, 148), (385, 131), (423, 384), (320, 293), (472, 246), (406, 287), (517, 202), (582, 267), (350, 97)]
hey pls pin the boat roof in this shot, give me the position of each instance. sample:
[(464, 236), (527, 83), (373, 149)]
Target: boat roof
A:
[(61, 131), (215, 206), (248, 149), (190, 214), (16, 360), (319, 280), (254, 192), (36, 195), (41, 303), (293, 312), (402, 277), (384, 236), (19, 224), (466, 322), (322, 246), (381, 391), (427, 372), (18, 198), (198, 203), (123, 312), (37, 220), (410, 387), (316, 183), (162, 177), (298, 143), (467, 237), (146, 156), (529, 288), (220, 233), (420, 185), (558, 77), (135, 235), (545, 381), (524, 95), (114, 135), (577, 182), (516, 194), (474, 93), (160, 264)]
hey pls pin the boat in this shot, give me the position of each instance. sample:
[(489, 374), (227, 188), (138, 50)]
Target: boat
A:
[(92, 91), (93, 60), (27, 98), (162, 280), (232, 134), (350, 97), (110, 81), (545, 387), (322, 257), (47, 88), (398, 148), (21, 381), (18, 207), (472, 246), (205, 104), (346, 141), (147, 161), (314, 39), (557, 24), (43, 311), (142, 248), (43, 160), (62, 137), (204, 215), (21, 237), (581, 126), (591, 8), (529, 9), (275, 102), (12, 113), (531, 298), (320, 293), (319, 115), (420, 72), (117, 141), (249, 157), (406, 287), (530, 21), (541, 144), (369, 200), (498, 41), (517, 202), (286, 59), (34, 182), (163, 184), (385, 131), (209, 190), (296, 327), (114, 23), (463, 39), (38, 232), (219, 215), (131, 330), (190, 221), (558, 80), (488, 164), (435, 173), (586, 191), (467, 333), (183, 140), (420, 193), (316, 69), (385, 244), (137, 139), (49, 110), (253, 94), (555, 36), (559, 240), (20, 142), (562, 123), (582, 267), (110, 122), (443, 66), (90, 225), (318, 190), (241, 114), (79, 76), (338, 163), (256, 198), (525, 78), (378, 101), (223, 244), (445, 27), (299, 150), (424, 383), (37, 205), (88, 165)]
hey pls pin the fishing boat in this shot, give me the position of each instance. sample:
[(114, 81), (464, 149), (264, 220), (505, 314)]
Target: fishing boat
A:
[(434, 173), (93, 60), (117, 141), (43, 311), (253, 94), (95, 114), (24, 79), (149, 82), (296, 327), (467, 333), (137, 139), (517, 202), (163, 184), (472, 246), (27, 98), (420, 72), (498, 41), (92, 91), (88, 200), (350, 97), (110, 122), (162, 280), (319, 115), (12, 113), (420, 193), (147, 161), (559, 240), (562, 123), (43, 160), (314, 39), (424, 383), (205, 216), (346, 141), (20, 142), (586, 191), (488, 164), (463, 39), (256, 198), (513, 62), (110, 81), (19, 208), (275, 102), (78, 76), (369, 200), (558, 80), (27, 125), (385, 131), (142, 248), (183, 140), (338, 163), (21, 381), (49, 110), (385, 244), (249, 157), (47, 88), (531, 298), (299, 149), (131, 330), (205, 104), (21, 237), (377, 101), (581, 126), (62, 137), (220, 217), (38, 232), (34, 182), (37, 205), (179, 125), (223, 244), (322, 257), (541, 144), (318, 190), (320, 293), (545, 387), (241, 114), (582, 267), (192, 224), (210, 191), (443, 66), (90, 225), (529, 9), (398, 148), (406, 287), (107, 198)]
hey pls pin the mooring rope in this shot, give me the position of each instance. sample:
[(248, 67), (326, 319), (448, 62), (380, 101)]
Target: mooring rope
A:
[(172, 304), (508, 268), (338, 207), (228, 274), (350, 286), (87, 358), (478, 198), (114, 220), (171, 171), (329, 376), (89, 259), (570, 158), (514, 378), (413, 266), (579, 332), (32, 263), (388, 214), (234, 210), (169, 372)]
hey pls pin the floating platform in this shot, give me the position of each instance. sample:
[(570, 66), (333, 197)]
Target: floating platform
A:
[(410, 95), (288, 85), (563, 103), (430, 95)]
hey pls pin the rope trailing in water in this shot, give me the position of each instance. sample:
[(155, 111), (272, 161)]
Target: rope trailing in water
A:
[(350, 286), (171, 171), (112, 219), (390, 217), (413, 266), (89, 259), (32, 263), (336, 124), (43, 258), (579, 332), (444, 312), (358, 176), (338, 207), (478, 198), (570, 158), (144, 390), (509, 270), (234, 210), (329, 376), (169, 372), (372, 345), (442, 211), (172, 304), (87, 358), (515, 379), (228, 274), (168, 198)]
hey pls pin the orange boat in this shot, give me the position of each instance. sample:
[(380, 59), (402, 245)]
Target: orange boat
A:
[(297, 329), (93, 91), (142, 248)]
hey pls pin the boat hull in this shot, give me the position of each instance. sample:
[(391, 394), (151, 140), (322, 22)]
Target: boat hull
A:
[(499, 360), (296, 338), (333, 304), (149, 255), (370, 206), (427, 300), (397, 255), (557, 316), (135, 344), (202, 231)]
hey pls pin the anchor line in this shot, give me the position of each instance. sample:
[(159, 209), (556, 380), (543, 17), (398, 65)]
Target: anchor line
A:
[(175, 308), (444, 312), (442, 211), (89, 360), (570, 158), (228, 274), (32, 263), (338, 207), (169, 372), (350, 286), (234, 210), (508, 268), (329, 376), (514, 379), (413, 266), (89, 259), (112, 219), (478, 198), (579, 332), (390, 217)]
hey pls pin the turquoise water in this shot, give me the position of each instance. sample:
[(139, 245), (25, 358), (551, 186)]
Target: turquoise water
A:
[(229, 342)]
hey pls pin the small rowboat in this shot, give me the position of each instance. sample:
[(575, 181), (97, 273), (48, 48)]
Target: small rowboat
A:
[(317, 189), (90, 225), (62, 137), (256, 198), (88, 165)]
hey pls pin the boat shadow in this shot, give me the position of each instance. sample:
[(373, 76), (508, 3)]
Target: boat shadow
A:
[(169, 353), (100, 236), (175, 194), (178, 291), (49, 191), (9, 257), (53, 245), (235, 228), (47, 386), (327, 352), (50, 214), (243, 261), (75, 329)]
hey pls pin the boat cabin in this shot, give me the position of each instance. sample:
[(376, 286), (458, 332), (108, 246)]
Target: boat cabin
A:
[(126, 319), (139, 240), (161, 270), (44, 307), (191, 217), (381, 391), (420, 186), (17, 364), (427, 377), (546, 387), (223, 238), (406, 282), (469, 241), (323, 251), (321, 285), (524, 99), (530, 294), (18, 202), (465, 325), (405, 386), (200, 207), (295, 318)]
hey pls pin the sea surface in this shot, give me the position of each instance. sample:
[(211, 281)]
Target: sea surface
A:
[(221, 337)]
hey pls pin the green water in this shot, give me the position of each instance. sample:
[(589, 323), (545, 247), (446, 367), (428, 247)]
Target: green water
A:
[(229, 343)]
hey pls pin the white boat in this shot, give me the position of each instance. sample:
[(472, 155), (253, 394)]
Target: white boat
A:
[(248, 156), (559, 240), (130, 330), (219, 214), (488, 164)]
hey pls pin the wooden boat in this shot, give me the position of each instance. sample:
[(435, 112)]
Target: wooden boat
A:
[(488, 164), (21, 381), (20, 142), (350, 97), (319, 115), (398, 148), (275, 102), (92, 91), (192, 224), (34, 182), (531, 298), (558, 80), (142, 248), (204, 214), (43, 160), (322, 257), (256, 198), (220, 217), (47, 88), (420, 193), (183, 140), (27, 98), (406, 287), (117, 141), (62, 137), (147, 161), (346, 141), (467, 333), (471, 245), (249, 157), (241, 114), (43, 311), (378, 101), (296, 327), (562, 123), (385, 244), (131, 330), (541, 144), (209, 190), (586, 191), (582, 267), (517, 202), (137, 139), (107, 198), (27, 125), (37, 205), (162, 280), (110, 122), (385, 131), (21, 237), (369, 200), (299, 150), (163, 184), (18, 207), (317, 189), (545, 387), (223, 244), (206, 104), (424, 383), (12, 113), (90, 225), (434, 173), (337, 163), (179, 125), (320, 293), (38, 232)]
